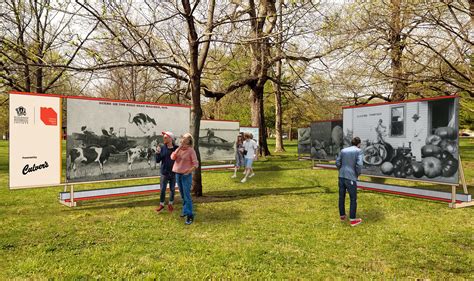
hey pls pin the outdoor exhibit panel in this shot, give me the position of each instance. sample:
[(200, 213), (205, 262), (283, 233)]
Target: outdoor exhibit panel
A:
[(117, 139), (253, 130), (35, 140), (304, 140), (415, 139), (217, 140), (326, 139)]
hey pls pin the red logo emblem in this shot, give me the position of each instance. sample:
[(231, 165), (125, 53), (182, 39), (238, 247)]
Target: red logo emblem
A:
[(49, 116)]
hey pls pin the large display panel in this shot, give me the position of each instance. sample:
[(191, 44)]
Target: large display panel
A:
[(217, 140), (116, 140), (413, 139), (304, 140), (326, 139), (35, 140), (253, 130)]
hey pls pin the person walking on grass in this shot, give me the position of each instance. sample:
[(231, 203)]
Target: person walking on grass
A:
[(349, 163), (250, 151), (239, 155), (163, 155), (185, 163)]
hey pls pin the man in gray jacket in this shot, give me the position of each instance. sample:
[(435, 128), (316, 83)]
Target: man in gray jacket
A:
[(349, 163)]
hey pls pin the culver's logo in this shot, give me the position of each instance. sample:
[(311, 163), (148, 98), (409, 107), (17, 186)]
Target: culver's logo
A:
[(21, 116), (29, 169)]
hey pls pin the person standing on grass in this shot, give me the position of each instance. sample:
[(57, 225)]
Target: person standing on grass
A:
[(349, 163), (185, 163), (239, 155), (250, 151), (163, 155)]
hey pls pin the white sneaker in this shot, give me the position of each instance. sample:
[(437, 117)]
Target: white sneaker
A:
[(243, 180), (233, 176), (253, 174)]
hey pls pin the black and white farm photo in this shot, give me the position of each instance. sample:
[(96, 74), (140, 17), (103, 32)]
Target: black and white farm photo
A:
[(217, 140), (414, 139), (115, 140)]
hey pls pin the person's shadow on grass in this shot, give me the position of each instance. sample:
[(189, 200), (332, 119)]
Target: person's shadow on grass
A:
[(371, 215)]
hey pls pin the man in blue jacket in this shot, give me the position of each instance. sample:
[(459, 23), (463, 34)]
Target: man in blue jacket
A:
[(349, 163), (163, 155)]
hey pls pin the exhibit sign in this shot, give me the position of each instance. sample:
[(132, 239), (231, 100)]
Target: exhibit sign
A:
[(217, 140), (326, 139), (35, 140), (304, 140), (109, 139), (414, 139), (253, 130)]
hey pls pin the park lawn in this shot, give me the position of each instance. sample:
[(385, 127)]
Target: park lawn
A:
[(283, 223)]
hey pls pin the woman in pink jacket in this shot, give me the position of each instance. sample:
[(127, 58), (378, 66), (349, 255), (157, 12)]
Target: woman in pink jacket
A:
[(185, 162)]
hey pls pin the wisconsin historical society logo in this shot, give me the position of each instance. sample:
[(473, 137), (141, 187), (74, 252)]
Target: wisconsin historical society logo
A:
[(20, 117), (21, 111)]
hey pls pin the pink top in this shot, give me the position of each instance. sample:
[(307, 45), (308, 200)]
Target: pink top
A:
[(184, 159)]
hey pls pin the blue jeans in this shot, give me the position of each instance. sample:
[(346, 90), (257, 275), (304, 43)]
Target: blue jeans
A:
[(164, 180), (351, 187), (184, 184)]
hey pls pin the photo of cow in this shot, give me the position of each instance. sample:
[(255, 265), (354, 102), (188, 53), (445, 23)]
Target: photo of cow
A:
[(326, 139), (411, 139), (217, 140), (116, 140)]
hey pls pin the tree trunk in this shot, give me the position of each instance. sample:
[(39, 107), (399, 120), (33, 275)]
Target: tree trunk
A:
[(471, 10), (258, 117), (40, 45), (278, 123), (399, 85), (289, 133), (278, 108), (195, 81), (196, 115)]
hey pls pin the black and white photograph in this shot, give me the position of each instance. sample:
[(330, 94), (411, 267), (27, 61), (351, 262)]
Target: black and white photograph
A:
[(304, 141), (117, 140), (252, 130), (326, 139), (217, 140), (411, 139)]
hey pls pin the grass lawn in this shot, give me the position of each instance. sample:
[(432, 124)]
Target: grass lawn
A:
[(283, 223)]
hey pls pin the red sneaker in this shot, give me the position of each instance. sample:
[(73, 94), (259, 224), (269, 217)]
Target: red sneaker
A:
[(160, 208), (355, 222), (343, 218), (170, 208)]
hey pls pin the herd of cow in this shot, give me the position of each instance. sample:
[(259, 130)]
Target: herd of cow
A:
[(100, 155)]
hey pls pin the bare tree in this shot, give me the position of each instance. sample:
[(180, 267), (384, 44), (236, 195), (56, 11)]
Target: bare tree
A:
[(277, 86), (160, 43), (400, 48), (34, 34), (255, 30)]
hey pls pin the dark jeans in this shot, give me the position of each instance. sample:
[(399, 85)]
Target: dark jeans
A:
[(351, 187), (164, 180), (184, 184)]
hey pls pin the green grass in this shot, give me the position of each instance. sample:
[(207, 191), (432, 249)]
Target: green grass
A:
[(283, 223)]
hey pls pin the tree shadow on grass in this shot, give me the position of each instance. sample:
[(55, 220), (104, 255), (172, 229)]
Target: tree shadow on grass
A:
[(242, 194), (209, 197), (133, 201)]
